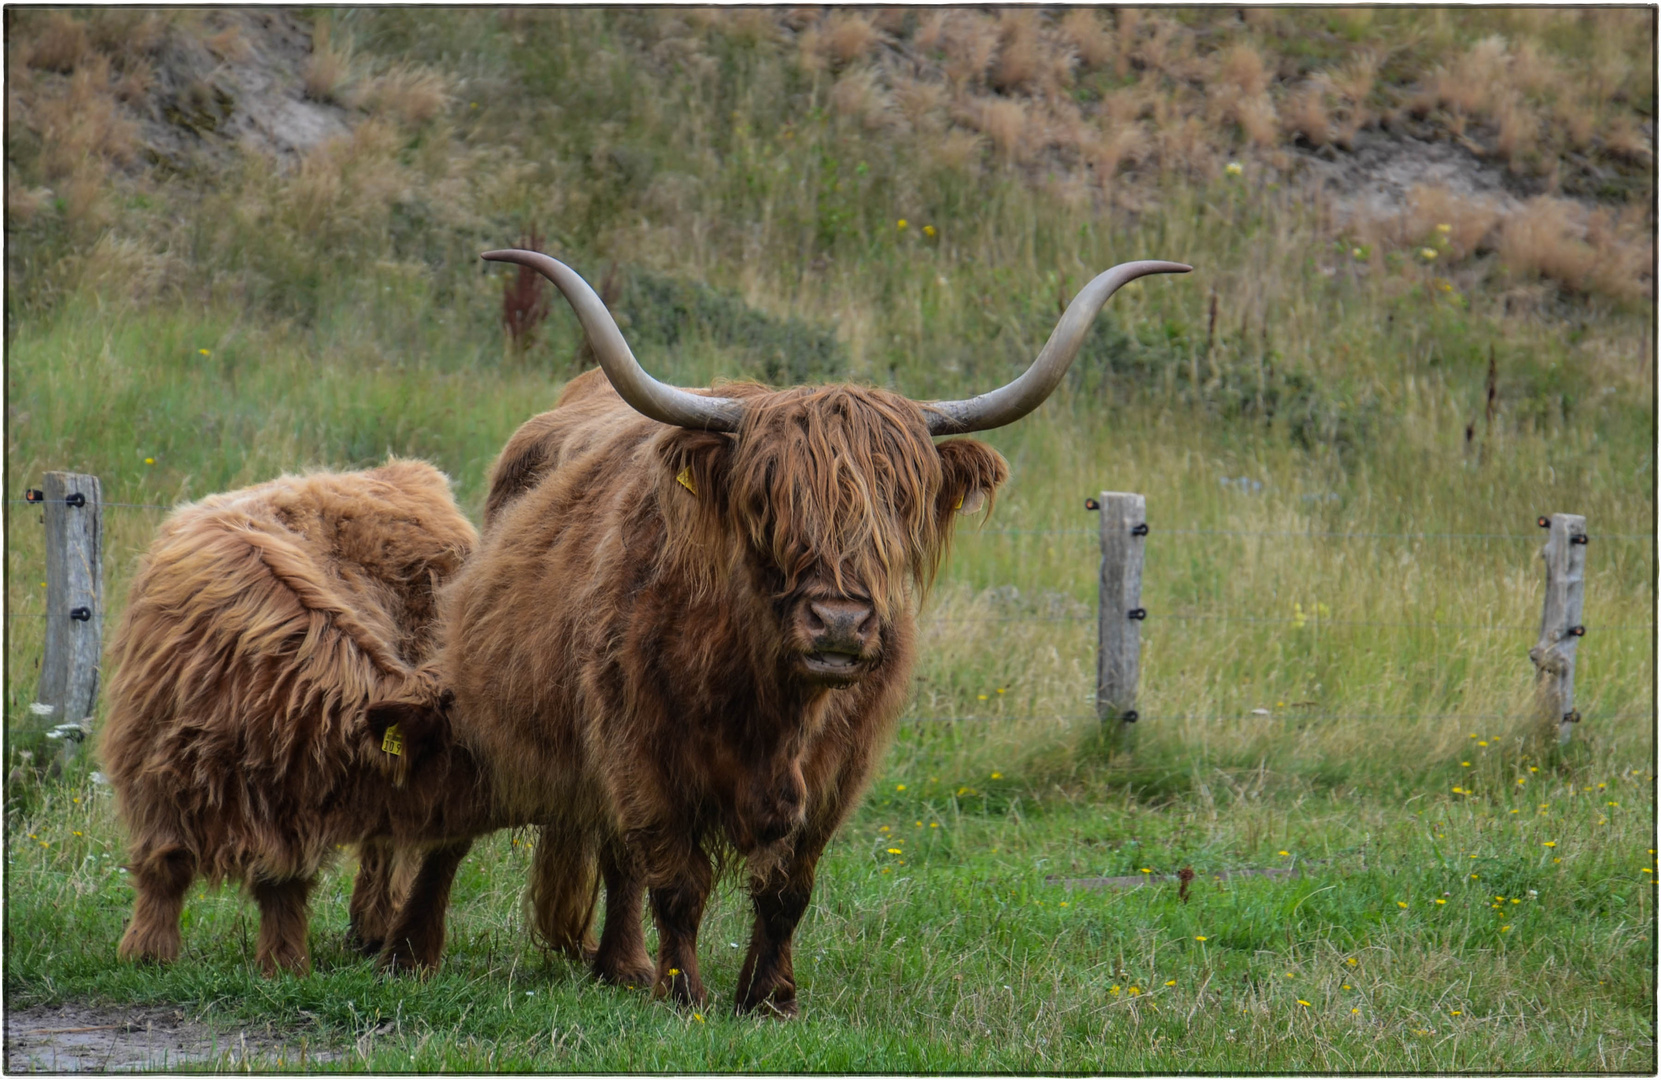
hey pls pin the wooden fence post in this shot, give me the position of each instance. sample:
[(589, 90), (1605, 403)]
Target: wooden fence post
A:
[(1560, 626), (74, 607), (1119, 657)]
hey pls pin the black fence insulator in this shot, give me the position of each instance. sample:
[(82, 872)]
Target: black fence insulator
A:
[(1092, 504), (1577, 631), (1580, 538), (1129, 716), (34, 495), (80, 614), (1139, 530), (1572, 716), (1137, 613), (1543, 522), (74, 498)]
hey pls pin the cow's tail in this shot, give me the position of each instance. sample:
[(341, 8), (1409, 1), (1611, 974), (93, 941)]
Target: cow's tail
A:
[(564, 889)]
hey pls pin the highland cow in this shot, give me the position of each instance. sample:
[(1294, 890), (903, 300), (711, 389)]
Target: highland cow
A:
[(260, 625), (690, 626)]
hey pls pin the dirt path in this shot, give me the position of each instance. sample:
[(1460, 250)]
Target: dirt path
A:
[(75, 1038)]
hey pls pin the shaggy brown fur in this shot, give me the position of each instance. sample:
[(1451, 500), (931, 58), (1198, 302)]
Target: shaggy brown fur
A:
[(260, 625), (644, 668)]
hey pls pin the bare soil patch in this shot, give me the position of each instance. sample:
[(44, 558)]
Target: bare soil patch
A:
[(79, 1038)]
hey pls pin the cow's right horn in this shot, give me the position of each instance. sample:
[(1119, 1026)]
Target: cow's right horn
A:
[(667, 404), (1010, 402)]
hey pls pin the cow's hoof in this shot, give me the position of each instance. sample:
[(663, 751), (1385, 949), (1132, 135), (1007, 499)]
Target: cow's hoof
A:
[(777, 1010), (402, 961), (623, 973), (363, 946)]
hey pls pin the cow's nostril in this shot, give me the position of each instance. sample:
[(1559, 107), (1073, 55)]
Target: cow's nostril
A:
[(868, 625)]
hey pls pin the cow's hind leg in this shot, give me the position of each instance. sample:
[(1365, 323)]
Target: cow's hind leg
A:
[(768, 979), (678, 908), (281, 945), (621, 958), (160, 877), (416, 941), (373, 904)]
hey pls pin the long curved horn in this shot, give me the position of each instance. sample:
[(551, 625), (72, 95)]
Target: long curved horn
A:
[(1014, 400), (667, 404)]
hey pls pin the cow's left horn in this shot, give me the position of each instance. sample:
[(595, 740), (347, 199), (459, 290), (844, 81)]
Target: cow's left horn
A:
[(1010, 402), (668, 404)]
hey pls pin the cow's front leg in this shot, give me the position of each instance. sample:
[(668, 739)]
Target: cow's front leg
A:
[(621, 958), (768, 979), (678, 908), (416, 939)]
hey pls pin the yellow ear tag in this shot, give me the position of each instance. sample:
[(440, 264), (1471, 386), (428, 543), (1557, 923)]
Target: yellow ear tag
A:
[(959, 505), (685, 480), (393, 741)]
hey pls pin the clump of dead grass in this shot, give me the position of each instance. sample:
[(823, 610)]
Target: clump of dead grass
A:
[(407, 93), (330, 65)]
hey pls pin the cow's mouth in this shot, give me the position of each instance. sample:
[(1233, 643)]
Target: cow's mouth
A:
[(833, 667)]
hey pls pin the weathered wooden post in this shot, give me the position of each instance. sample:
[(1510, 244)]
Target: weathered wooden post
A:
[(73, 504), (1124, 526), (1560, 626)]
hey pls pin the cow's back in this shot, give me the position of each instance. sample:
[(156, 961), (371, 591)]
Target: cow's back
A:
[(260, 623)]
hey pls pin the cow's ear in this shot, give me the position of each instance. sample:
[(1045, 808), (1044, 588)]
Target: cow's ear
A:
[(695, 464), (403, 733), (971, 474)]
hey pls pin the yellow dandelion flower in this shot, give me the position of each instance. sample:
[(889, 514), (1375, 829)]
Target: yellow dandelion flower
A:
[(1455, 1012), (78, 834), (1522, 779), (1534, 768), (895, 851), (1548, 843), (1439, 900), (901, 224), (204, 352), (1557, 860), (928, 230), (1473, 877), (1147, 870), (1401, 903), (1484, 742), (1170, 982), (1304, 1003), (981, 697), (1355, 1010), (1503, 929), (1114, 989), (149, 461), (934, 824), (1199, 937), (1287, 853), (997, 776), (1352, 961), (1135, 990), (1427, 254), (1347, 986), (899, 787), (1466, 764), (673, 972)]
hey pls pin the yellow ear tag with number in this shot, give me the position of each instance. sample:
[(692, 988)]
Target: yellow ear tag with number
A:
[(393, 741), (685, 480)]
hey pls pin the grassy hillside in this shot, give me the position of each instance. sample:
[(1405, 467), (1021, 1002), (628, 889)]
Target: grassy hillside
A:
[(1421, 316)]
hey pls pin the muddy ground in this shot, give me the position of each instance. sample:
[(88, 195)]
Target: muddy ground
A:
[(80, 1038)]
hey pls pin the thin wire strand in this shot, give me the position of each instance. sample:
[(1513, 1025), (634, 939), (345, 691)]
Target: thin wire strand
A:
[(1155, 530), (1282, 713)]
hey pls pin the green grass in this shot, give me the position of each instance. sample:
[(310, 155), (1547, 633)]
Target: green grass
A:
[(958, 956), (1314, 695)]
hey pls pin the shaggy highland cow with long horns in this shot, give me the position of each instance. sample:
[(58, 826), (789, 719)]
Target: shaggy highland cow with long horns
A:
[(261, 624), (690, 625)]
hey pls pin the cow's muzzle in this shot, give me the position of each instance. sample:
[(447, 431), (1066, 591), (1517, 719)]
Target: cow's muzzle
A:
[(841, 640)]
